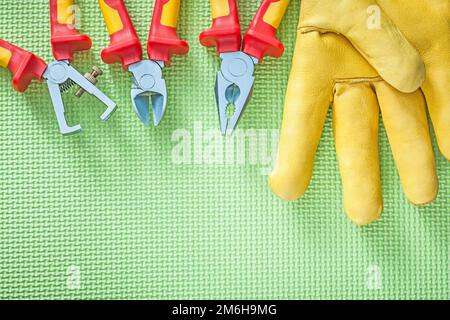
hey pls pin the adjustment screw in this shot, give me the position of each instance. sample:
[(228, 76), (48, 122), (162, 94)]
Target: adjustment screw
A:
[(92, 78)]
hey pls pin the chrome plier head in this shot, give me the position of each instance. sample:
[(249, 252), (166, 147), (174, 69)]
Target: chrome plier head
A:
[(148, 83), (58, 74), (234, 87)]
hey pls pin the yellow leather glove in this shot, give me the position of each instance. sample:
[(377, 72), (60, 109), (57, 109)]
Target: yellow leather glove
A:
[(343, 57)]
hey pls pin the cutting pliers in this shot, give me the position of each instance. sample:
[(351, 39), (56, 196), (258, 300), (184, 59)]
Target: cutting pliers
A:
[(60, 75), (235, 80), (125, 48)]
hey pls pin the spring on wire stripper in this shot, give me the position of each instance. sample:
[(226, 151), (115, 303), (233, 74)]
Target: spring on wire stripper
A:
[(91, 76), (66, 86)]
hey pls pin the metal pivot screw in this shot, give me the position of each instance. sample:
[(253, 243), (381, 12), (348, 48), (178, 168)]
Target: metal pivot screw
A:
[(92, 77)]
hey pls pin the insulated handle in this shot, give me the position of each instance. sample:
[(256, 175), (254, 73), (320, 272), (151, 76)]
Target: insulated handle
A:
[(225, 32), (260, 39), (124, 47), (163, 41), (65, 39), (23, 65)]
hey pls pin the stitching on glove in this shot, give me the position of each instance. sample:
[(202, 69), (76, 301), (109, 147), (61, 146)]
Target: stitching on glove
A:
[(306, 29), (358, 80)]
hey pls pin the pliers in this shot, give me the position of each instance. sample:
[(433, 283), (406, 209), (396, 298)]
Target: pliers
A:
[(125, 48), (235, 80), (60, 75)]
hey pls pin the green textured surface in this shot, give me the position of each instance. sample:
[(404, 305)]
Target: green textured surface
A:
[(111, 204)]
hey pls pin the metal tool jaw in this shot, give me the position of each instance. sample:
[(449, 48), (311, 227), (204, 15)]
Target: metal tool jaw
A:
[(148, 83), (58, 74), (234, 86)]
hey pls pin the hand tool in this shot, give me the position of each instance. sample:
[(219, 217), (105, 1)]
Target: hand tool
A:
[(235, 80), (60, 75), (126, 49)]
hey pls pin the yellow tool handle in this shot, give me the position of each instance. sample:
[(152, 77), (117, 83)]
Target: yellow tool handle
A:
[(65, 39), (5, 57), (275, 12), (163, 41), (125, 46), (24, 65), (170, 12), (260, 39), (64, 11), (115, 15), (221, 8)]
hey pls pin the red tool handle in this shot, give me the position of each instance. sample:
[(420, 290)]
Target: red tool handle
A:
[(225, 32), (125, 46), (23, 65), (163, 41), (65, 39), (260, 39)]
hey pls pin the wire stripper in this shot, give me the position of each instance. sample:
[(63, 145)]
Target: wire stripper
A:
[(59, 74)]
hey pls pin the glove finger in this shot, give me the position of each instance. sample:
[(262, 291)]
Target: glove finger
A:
[(372, 33), (307, 101), (436, 90), (355, 121), (405, 120)]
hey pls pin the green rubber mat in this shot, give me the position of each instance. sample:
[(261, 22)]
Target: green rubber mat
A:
[(177, 212)]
